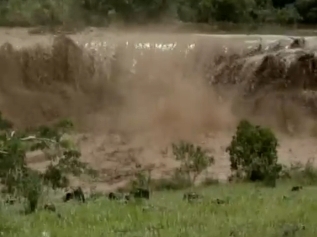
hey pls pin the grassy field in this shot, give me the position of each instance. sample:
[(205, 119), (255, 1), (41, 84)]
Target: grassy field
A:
[(250, 211)]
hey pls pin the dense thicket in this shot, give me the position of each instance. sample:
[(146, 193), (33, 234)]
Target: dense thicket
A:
[(43, 12)]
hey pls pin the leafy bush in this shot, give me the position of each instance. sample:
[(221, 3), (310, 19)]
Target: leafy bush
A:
[(19, 179), (194, 160), (253, 153)]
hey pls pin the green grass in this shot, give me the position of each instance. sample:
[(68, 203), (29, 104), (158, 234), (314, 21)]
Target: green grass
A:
[(251, 211)]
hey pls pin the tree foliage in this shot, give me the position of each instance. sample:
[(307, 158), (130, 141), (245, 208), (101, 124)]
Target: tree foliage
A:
[(18, 178), (194, 160), (46, 12), (211, 11), (253, 153)]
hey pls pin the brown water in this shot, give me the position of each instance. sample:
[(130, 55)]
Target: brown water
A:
[(130, 104)]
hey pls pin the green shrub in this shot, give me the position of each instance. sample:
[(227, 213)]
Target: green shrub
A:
[(194, 160), (19, 179), (253, 153)]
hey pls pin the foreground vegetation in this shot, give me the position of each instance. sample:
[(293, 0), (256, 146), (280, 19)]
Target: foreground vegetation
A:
[(105, 12), (250, 211)]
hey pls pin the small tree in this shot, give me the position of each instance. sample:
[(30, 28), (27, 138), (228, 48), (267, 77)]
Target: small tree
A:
[(21, 180), (194, 160), (253, 153)]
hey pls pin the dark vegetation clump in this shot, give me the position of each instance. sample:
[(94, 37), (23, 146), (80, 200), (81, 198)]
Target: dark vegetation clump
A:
[(189, 196), (134, 194), (112, 196), (50, 207), (76, 194), (244, 14), (141, 193), (296, 188), (119, 196), (253, 158), (253, 154)]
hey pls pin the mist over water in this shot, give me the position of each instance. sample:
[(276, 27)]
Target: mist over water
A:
[(180, 88)]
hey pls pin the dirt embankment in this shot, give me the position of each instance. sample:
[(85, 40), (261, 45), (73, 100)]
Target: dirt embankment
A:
[(135, 102)]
